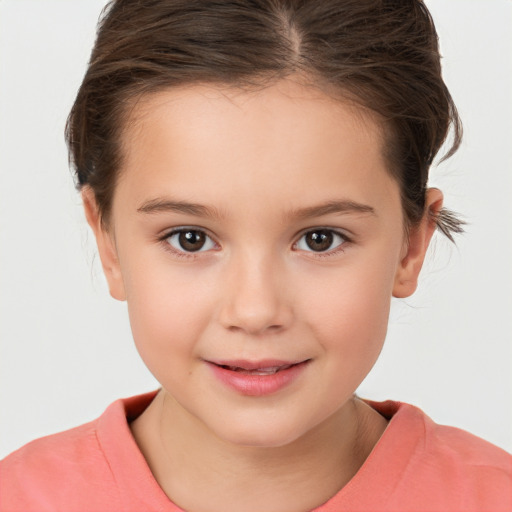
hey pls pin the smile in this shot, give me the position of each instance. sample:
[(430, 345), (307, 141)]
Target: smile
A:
[(257, 378), (258, 371)]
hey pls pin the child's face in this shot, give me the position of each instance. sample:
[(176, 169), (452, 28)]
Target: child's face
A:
[(295, 241)]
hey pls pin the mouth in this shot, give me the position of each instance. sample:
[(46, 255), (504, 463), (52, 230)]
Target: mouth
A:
[(268, 370), (258, 378), (263, 367)]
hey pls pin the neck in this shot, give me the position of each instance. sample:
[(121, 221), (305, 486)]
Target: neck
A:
[(199, 471)]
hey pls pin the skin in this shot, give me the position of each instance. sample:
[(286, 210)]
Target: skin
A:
[(257, 290)]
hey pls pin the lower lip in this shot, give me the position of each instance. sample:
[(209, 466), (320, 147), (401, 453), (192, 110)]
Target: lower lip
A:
[(258, 385)]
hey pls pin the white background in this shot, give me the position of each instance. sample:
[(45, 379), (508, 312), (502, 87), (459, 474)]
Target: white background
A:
[(66, 348)]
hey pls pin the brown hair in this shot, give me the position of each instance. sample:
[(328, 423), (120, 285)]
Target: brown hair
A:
[(381, 53)]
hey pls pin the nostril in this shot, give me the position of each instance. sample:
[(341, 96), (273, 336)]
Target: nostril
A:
[(254, 330), (254, 306)]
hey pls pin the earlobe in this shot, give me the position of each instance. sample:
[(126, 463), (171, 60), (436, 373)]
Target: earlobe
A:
[(106, 245), (409, 267)]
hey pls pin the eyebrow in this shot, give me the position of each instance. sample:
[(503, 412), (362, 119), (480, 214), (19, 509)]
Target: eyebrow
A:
[(159, 205), (332, 207)]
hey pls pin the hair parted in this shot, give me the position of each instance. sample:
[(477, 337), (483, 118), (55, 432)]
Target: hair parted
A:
[(383, 54)]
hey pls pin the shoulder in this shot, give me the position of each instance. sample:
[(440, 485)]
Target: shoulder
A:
[(455, 446), (65, 470), (440, 441), (463, 447), (56, 472), (476, 464), (450, 465), (96, 464)]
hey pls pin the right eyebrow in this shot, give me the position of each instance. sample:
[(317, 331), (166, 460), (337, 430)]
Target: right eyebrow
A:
[(342, 206), (159, 205)]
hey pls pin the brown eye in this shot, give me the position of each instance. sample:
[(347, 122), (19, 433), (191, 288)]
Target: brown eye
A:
[(320, 240), (190, 240)]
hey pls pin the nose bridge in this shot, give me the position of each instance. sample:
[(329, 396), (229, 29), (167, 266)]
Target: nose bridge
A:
[(254, 298)]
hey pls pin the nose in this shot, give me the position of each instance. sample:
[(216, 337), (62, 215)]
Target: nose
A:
[(254, 296)]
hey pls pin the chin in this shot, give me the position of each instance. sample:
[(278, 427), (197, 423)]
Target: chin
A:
[(274, 433)]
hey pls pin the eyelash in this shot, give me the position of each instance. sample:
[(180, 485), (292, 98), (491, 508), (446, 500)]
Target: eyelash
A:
[(183, 254), (194, 254), (331, 252)]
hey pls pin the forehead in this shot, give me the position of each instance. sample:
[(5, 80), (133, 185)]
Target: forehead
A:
[(283, 109), (208, 140)]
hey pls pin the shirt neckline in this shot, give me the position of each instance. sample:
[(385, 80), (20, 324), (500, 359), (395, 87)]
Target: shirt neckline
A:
[(369, 488)]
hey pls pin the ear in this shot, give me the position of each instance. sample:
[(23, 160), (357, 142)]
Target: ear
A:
[(406, 278), (106, 245)]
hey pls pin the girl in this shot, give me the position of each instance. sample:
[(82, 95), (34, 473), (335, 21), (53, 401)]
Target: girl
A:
[(255, 174)]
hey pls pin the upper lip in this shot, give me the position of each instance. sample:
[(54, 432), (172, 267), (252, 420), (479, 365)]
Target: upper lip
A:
[(256, 365)]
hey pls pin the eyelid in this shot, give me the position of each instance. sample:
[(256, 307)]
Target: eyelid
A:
[(162, 238), (166, 233), (347, 239)]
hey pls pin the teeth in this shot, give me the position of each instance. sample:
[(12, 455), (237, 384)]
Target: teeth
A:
[(266, 371), (260, 371)]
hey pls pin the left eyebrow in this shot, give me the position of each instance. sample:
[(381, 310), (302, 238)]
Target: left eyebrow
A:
[(330, 207), (159, 205)]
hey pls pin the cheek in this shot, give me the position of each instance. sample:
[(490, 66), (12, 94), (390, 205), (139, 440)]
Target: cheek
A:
[(349, 313), (168, 309)]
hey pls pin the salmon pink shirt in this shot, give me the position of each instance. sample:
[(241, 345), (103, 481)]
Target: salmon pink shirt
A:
[(416, 466)]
